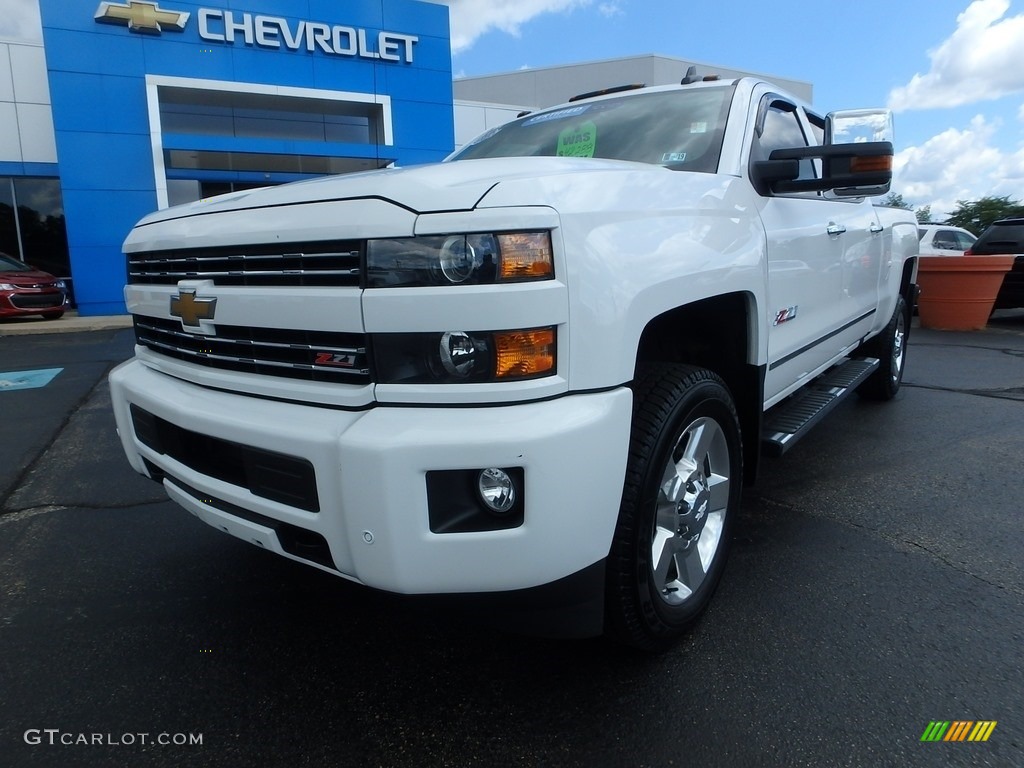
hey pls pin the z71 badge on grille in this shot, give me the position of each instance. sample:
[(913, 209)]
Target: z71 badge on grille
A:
[(335, 360)]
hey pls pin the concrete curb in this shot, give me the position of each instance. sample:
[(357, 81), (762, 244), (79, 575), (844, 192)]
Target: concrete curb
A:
[(70, 323)]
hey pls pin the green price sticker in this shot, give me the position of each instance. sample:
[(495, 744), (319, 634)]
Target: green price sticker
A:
[(578, 141)]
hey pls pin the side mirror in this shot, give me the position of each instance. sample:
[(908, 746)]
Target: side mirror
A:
[(848, 170), (857, 126), (856, 158)]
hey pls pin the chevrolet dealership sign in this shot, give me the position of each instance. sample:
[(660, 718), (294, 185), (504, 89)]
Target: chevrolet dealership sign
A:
[(221, 26)]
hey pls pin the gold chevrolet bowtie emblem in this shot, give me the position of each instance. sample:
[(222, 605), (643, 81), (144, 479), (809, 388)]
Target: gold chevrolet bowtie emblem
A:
[(142, 17), (191, 310)]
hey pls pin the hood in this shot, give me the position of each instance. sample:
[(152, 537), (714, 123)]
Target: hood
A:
[(32, 277), (441, 187)]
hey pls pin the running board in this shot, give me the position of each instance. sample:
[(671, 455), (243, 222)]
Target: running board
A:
[(793, 418)]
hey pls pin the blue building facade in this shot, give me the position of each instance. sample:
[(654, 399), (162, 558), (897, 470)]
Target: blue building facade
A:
[(156, 104)]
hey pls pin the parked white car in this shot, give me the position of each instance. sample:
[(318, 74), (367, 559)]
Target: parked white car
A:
[(943, 240)]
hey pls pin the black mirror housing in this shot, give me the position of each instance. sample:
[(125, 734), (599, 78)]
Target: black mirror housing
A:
[(863, 169)]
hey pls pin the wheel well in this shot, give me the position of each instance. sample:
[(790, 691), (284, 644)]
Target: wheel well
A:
[(717, 334)]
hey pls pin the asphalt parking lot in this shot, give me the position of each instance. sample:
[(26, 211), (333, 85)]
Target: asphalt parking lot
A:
[(876, 585)]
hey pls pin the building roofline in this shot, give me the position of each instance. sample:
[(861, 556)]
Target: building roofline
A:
[(573, 65)]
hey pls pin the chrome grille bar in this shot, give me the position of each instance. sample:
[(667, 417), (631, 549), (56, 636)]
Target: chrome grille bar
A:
[(310, 355), (332, 263), (275, 345), (196, 274)]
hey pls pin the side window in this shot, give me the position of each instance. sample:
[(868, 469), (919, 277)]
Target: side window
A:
[(946, 239), (965, 241), (779, 128), (817, 128)]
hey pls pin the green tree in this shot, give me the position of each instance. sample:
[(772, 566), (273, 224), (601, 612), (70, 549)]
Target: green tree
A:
[(895, 200), (976, 215), (924, 214)]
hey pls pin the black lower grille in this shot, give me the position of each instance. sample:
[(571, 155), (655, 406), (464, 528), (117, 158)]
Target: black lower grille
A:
[(38, 300), (294, 540), (310, 355), (285, 479)]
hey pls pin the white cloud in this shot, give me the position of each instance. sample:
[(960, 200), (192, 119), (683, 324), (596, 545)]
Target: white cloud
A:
[(19, 20), (608, 10), (472, 18), (980, 61), (958, 165)]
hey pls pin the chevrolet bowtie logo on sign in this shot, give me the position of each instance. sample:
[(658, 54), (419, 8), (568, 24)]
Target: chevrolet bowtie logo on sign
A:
[(190, 310), (142, 17)]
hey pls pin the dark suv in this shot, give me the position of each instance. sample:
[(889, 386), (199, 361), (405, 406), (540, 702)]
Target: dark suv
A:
[(1005, 237)]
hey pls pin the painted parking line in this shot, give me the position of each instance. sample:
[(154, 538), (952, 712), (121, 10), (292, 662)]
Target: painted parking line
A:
[(27, 379)]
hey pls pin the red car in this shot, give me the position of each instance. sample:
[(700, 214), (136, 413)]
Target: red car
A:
[(25, 290)]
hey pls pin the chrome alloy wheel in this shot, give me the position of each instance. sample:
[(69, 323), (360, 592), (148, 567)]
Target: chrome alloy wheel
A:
[(693, 499)]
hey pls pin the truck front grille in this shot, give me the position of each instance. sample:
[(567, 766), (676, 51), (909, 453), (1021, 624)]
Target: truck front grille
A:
[(295, 354), (334, 263)]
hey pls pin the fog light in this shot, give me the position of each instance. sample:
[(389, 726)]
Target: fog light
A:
[(497, 491)]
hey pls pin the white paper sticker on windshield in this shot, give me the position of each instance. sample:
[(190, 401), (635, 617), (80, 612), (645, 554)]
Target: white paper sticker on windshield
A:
[(484, 136), (673, 157), (699, 127)]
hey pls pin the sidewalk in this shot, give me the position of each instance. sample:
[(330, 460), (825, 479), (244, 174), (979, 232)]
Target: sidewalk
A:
[(70, 323)]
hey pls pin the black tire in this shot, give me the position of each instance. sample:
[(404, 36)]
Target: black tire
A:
[(686, 413), (890, 347)]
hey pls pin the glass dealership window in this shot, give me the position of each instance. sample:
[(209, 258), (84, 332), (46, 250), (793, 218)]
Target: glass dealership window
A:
[(44, 238), (205, 160), (8, 228), (262, 116), (38, 236)]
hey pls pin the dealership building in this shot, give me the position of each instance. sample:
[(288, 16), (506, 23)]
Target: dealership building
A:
[(131, 106)]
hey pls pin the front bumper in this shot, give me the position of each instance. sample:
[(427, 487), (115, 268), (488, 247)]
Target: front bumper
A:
[(370, 471)]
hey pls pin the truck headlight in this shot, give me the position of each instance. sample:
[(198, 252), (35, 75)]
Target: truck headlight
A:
[(458, 357), (459, 259)]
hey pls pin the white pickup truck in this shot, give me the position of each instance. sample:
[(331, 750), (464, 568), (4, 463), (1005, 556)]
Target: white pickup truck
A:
[(535, 375)]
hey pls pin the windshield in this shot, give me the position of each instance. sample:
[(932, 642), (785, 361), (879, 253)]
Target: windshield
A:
[(11, 264), (680, 129)]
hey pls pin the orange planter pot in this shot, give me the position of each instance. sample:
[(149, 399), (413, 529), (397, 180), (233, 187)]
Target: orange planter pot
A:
[(957, 292)]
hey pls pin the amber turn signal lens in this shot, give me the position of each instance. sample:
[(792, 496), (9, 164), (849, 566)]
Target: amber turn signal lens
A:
[(521, 354), (526, 256), (871, 164)]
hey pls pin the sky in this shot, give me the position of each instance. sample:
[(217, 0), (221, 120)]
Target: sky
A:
[(952, 70)]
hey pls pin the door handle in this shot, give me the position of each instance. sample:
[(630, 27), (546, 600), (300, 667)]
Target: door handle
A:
[(835, 229), (876, 229)]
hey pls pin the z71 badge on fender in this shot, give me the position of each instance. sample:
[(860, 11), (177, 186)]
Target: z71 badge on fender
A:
[(785, 315)]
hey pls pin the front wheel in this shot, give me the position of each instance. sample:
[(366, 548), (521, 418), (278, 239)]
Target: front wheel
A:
[(681, 495)]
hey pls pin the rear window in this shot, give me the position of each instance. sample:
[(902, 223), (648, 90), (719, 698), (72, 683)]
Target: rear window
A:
[(1001, 237)]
